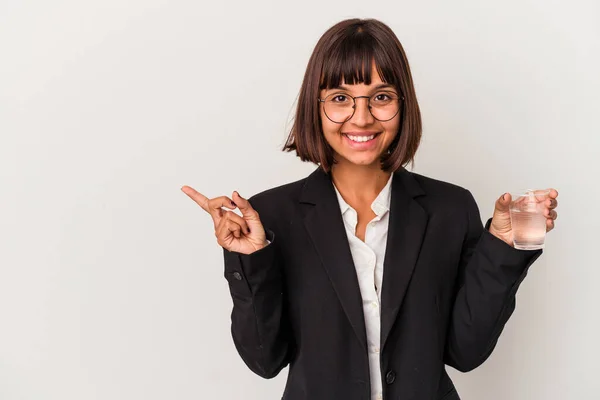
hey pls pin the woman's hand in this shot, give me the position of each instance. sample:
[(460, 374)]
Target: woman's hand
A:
[(501, 226), (243, 234)]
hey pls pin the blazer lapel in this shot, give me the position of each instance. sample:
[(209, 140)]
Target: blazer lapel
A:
[(324, 223), (407, 224)]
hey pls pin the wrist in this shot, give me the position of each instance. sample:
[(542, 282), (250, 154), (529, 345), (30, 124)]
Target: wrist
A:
[(504, 237)]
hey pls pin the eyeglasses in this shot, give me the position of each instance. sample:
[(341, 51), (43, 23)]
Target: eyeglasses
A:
[(340, 107)]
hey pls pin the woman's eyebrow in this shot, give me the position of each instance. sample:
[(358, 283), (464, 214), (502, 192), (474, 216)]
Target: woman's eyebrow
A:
[(380, 86)]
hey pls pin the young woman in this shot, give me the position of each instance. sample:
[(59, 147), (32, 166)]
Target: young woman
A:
[(365, 278)]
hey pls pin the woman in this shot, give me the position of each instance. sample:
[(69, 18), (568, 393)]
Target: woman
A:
[(365, 278)]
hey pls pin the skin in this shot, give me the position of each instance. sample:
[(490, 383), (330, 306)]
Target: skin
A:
[(244, 234), (501, 225), (357, 176)]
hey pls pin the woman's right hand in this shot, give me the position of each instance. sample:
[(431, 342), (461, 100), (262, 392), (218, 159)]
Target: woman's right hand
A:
[(244, 234)]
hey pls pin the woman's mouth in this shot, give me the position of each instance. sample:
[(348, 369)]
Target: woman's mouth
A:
[(361, 139), (361, 142)]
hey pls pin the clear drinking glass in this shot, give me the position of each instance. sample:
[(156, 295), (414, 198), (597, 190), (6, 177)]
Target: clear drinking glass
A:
[(528, 220)]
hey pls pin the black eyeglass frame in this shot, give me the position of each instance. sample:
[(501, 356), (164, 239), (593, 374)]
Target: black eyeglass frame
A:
[(354, 107)]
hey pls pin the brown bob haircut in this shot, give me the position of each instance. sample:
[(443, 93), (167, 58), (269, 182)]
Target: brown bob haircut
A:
[(346, 52)]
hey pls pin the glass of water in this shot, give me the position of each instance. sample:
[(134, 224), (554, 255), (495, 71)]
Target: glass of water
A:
[(528, 220)]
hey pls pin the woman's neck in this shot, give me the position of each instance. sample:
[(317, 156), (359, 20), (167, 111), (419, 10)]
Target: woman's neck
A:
[(359, 184)]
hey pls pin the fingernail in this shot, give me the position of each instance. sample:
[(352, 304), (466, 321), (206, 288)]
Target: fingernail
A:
[(504, 196)]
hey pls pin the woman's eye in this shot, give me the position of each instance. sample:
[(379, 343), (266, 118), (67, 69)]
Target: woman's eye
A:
[(382, 97), (340, 98)]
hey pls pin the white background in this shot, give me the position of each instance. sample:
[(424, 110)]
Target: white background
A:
[(111, 281)]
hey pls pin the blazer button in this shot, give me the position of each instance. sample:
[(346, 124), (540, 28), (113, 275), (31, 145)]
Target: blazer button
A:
[(237, 276), (390, 377)]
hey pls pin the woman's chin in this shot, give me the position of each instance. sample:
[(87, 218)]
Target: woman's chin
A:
[(364, 159)]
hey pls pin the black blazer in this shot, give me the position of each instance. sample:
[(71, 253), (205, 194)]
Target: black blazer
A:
[(448, 289)]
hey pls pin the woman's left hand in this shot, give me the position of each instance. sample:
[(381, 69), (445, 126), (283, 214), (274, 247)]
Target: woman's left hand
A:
[(501, 226)]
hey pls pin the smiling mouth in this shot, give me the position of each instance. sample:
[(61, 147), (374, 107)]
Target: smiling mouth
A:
[(361, 139)]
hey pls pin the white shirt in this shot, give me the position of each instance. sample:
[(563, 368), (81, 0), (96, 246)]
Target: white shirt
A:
[(368, 261)]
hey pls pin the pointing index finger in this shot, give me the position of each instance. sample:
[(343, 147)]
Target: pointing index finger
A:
[(199, 198)]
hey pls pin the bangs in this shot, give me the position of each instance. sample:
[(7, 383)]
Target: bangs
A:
[(350, 61), (350, 52)]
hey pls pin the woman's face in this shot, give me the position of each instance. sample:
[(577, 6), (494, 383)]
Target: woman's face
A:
[(362, 123)]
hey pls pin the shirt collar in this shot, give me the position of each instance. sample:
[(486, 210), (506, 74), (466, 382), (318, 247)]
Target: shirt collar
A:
[(380, 205)]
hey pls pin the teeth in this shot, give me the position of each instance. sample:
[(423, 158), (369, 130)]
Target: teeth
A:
[(360, 138)]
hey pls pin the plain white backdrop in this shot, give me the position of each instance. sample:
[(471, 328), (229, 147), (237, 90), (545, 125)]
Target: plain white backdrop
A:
[(111, 280)]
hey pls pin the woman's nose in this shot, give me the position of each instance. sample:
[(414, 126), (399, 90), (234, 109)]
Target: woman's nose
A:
[(362, 113)]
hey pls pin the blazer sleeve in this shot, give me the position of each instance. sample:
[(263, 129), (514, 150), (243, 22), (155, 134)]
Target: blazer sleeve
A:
[(490, 272), (259, 325)]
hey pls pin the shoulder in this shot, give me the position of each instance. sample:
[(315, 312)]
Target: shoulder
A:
[(279, 193), (447, 197), (448, 200), (438, 188), (277, 201)]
